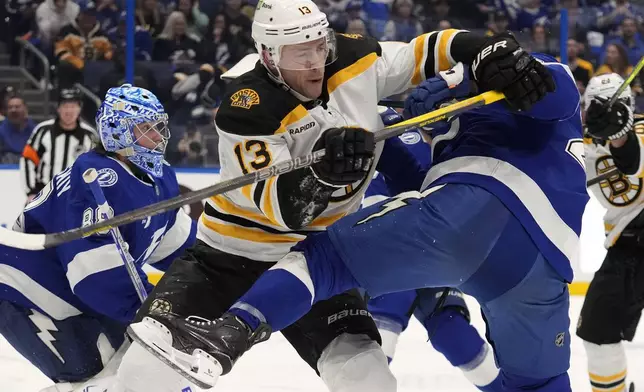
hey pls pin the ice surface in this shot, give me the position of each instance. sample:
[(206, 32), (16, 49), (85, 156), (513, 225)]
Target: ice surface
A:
[(275, 367)]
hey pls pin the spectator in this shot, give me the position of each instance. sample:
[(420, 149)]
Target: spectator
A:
[(539, 41), (143, 76), (339, 20), (582, 70), (239, 25), (357, 26), (218, 45), (55, 144), (402, 26), (79, 42), (580, 19), (532, 13), (631, 40), (142, 39), (191, 147), (173, 44), (613, 12), (616, 60), (15, 130), (52, 16), (196, 21), (149, 16), (438, 10), (108, 13), (499, 23), (20, 17), (377, 14)]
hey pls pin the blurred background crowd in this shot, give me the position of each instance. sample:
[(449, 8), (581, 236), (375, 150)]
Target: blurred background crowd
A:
[(183, 46)]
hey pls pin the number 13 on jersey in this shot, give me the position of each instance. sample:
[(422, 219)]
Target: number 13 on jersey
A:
[(252, 155)]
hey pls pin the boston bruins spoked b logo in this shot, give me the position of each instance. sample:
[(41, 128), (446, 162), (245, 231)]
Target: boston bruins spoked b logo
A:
[(618, 190)]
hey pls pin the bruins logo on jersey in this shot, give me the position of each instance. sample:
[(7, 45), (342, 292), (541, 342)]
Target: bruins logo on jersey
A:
[(244, 98), (618, 190)]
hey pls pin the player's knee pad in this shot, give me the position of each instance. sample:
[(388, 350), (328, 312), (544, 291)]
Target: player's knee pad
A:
[(355, 363), (142, 371)]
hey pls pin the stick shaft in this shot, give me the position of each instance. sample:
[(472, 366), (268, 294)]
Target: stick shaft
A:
[(90, 176)]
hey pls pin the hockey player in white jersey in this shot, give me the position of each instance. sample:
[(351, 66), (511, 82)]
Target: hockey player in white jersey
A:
[(615, 298), (65, 309), (312, 89)]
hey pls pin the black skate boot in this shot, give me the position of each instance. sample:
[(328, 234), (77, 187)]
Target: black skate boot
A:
[(631, 387), (201, 350)]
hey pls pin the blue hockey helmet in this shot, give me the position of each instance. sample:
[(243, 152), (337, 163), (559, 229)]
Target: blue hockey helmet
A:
[(133, 123)]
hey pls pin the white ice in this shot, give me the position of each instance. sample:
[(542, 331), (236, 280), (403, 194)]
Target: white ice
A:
[(275, 367)]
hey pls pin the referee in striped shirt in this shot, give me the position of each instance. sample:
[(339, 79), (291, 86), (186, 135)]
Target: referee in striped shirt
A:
[(54, 144)]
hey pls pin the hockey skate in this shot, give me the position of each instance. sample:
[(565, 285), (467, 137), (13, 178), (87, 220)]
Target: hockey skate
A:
[(200, 350)]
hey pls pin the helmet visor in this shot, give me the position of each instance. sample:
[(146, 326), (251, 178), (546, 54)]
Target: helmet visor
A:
[(313, 54)]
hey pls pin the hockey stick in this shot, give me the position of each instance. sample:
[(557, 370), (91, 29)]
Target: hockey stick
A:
[(43, 241), (612, 101), (90, 176)]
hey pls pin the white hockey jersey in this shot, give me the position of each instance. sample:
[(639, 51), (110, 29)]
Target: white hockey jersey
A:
[(620, 194), (260, 124)]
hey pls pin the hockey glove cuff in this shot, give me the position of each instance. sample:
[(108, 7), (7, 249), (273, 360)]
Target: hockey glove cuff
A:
[(504, 66), (348, 156)]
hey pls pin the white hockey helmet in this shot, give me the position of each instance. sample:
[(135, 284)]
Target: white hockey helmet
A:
[(605, 86), (278, 23)]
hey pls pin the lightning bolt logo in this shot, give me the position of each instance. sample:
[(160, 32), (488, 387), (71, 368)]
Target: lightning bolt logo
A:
[(45, 325), (398, 202)]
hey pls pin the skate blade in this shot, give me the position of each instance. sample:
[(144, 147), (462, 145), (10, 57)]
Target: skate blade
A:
[(205, 369)]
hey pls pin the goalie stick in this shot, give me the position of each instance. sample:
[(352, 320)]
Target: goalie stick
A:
[(613, 99), (43, 241), (90, 176)]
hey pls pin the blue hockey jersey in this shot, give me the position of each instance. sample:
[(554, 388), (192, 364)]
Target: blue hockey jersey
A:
[(88, 275), (532, 161), (380, 188)]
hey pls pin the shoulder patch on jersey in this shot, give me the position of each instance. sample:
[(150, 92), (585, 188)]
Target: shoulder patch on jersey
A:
[(253, 105), (410, 137), (107, 177), (244, 98)]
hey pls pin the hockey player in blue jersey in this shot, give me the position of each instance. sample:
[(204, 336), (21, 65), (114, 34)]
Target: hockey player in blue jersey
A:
[(65, 309), (442, 311), (499, 217)]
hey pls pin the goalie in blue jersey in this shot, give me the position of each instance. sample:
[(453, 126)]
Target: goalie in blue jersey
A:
[(65, 309), (499, 217)]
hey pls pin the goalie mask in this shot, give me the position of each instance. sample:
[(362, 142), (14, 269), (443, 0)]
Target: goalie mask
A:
[(132, 123)]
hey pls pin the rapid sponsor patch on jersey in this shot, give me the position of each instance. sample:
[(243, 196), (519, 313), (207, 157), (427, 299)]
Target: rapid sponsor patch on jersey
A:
[(244, 98)]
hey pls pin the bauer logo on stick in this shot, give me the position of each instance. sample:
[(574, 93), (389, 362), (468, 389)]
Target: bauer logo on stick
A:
[(244, 98)]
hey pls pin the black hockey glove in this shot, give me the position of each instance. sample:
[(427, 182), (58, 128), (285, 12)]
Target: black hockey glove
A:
[(504, 66), (348, 155), (606, 123)]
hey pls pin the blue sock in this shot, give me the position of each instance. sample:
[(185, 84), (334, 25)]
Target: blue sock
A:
[(278, 298), (284, 293), (452, 335)]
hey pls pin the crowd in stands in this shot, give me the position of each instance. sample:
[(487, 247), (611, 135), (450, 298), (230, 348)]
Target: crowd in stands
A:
[(183, 46)]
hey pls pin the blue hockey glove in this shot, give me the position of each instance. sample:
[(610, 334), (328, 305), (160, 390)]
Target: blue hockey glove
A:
[(443, 88), (389, 116)]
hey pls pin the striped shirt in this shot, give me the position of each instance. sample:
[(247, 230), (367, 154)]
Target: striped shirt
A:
[(50, 150)]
